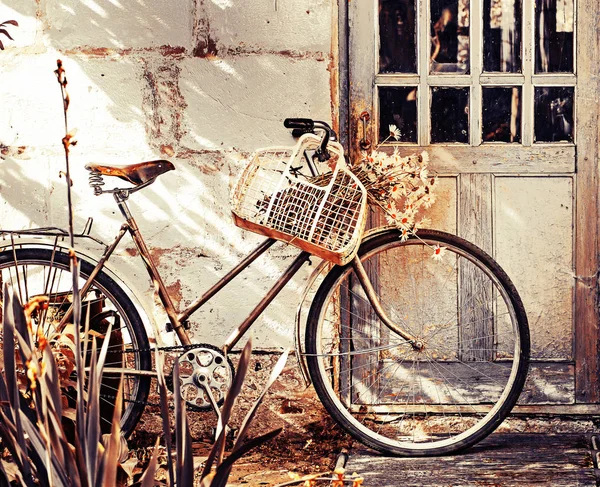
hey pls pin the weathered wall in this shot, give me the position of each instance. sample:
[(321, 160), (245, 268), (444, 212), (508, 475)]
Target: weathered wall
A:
[(200, 82)]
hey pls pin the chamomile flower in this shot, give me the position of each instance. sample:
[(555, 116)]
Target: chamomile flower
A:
[(391, 218), (394, 132), (404, 234), (438, 252), (428, 200)]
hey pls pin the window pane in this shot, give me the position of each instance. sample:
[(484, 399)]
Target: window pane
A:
[(553, 114), (449, 36), (450, 115), (554, 36), (398, 106), (502, 35), (502, 114), (397, 44)]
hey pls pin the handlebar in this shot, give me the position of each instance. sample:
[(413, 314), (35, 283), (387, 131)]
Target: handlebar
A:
[(301, 126), (299, 123)]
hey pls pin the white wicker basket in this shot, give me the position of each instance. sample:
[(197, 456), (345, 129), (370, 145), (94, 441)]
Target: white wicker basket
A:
[(278, 195)]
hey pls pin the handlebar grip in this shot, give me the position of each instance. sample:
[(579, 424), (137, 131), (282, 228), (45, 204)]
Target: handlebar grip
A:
[(304, 124)]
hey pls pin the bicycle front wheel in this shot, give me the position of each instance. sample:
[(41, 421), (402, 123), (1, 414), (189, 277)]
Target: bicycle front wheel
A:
[(404, 400), (43, 272)]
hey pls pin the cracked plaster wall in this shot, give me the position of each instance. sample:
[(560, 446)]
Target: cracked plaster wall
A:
[(200, 82)]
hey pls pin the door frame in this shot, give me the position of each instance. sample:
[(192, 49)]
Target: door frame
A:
[(357, 52)]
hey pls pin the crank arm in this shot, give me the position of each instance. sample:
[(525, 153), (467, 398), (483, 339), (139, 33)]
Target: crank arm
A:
[(211, 397)]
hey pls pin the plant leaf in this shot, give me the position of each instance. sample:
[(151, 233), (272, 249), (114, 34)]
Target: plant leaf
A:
[(112, 453), (216, 451), (185, 460), (147, 479), (92, 418), (11, 22), (5, 32), (164, 409), (223, 471), (250, 415), (39, 447), (12, 307)]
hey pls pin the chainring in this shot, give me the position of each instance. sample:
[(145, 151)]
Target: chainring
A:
[(204, 366)]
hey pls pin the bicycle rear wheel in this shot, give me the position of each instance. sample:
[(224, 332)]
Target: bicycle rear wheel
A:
[(436, 400), (41, 272)]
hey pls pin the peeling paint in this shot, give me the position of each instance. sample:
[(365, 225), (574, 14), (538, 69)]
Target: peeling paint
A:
[(175, 293), (163, 103), (207, 165), (248, 50), (104, 52), (9, 151), (155, 252), (205, 45)]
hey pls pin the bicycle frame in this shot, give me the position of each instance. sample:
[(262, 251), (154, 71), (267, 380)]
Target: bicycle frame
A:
[(178, 321)]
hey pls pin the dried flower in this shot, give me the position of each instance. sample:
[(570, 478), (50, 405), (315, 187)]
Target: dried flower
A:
[(394, 182)]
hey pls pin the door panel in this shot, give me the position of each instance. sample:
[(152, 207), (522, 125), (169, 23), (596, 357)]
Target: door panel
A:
[(534, 244)]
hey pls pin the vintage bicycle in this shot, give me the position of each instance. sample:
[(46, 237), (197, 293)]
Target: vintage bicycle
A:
[(411, 355)]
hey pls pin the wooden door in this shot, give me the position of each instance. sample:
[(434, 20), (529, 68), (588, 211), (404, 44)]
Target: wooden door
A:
[(503, 95)]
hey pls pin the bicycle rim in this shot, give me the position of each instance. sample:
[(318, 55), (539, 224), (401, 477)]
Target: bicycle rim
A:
[(40, 272), (464, 381)]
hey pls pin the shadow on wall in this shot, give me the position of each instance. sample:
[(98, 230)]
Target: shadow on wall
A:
[(138, 94)]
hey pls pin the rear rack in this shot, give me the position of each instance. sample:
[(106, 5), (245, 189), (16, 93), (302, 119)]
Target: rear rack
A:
[(55, 232)]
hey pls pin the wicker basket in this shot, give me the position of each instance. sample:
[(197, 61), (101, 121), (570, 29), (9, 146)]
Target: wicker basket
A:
[(320, 209)]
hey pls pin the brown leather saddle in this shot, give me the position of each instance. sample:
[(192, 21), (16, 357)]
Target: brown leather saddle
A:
[(136, 174)]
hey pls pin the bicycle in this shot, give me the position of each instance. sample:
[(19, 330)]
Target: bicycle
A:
[(411, 355)]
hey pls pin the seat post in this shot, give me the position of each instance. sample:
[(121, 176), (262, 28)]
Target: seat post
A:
[(121, 198)]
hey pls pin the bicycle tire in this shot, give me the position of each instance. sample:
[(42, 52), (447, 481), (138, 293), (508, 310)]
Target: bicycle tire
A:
[(46, 272), (456, 390)]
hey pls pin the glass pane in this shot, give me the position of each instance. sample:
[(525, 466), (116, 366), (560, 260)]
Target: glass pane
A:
[(554, 36), (450, 115), (398, 106), (449, 36), (502, 35), (553, 120), (397, 39), (502, 114)]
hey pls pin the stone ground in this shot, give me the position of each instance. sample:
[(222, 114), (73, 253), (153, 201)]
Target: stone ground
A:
[(310, 443), (502, 459)]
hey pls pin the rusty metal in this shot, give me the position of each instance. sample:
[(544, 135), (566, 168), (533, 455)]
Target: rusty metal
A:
[(365, 143), (133, 173), (260, 307), (365, 282), (257, 252), (157, 281)]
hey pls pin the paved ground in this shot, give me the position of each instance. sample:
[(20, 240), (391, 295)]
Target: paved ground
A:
[(502, 460)]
